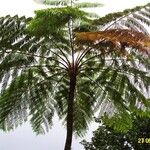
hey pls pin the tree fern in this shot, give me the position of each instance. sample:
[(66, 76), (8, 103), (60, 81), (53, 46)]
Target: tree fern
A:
[(48, 65)]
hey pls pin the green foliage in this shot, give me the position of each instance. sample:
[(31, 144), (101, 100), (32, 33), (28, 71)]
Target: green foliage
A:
[(120, 122), (52, 21), (12, 30), (84, 103), (26, 94), (118, 85), (105, 137), (21, 63)]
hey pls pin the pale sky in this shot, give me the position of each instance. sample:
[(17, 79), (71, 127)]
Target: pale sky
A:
[(23, 138), (27, 7)]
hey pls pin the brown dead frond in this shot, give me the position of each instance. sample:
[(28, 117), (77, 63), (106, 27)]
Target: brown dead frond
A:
[(118, 38)]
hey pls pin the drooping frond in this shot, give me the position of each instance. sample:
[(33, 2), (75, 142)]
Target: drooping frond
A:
[(26, 95), (29, 70), (12, 38), (84, 102), (120, 85)]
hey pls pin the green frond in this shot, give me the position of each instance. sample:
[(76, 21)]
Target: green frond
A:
[(41, 110), (29, 71), (12, 31), (84, 104), (126, 99), (119, 84), (61, 96), (28, 93), (52, 21), (121, 122), (13, 105)]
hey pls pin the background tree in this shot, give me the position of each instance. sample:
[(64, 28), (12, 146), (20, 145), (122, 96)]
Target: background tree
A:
[(52, 66), (105, 137)]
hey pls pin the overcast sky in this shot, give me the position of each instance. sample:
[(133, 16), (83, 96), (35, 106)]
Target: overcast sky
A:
[(23, 138), (26, 7)]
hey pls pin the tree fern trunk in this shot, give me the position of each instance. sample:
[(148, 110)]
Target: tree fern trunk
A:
[(70, 112)]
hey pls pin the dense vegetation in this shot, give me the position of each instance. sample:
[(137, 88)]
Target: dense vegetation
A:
[(106, 137)]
